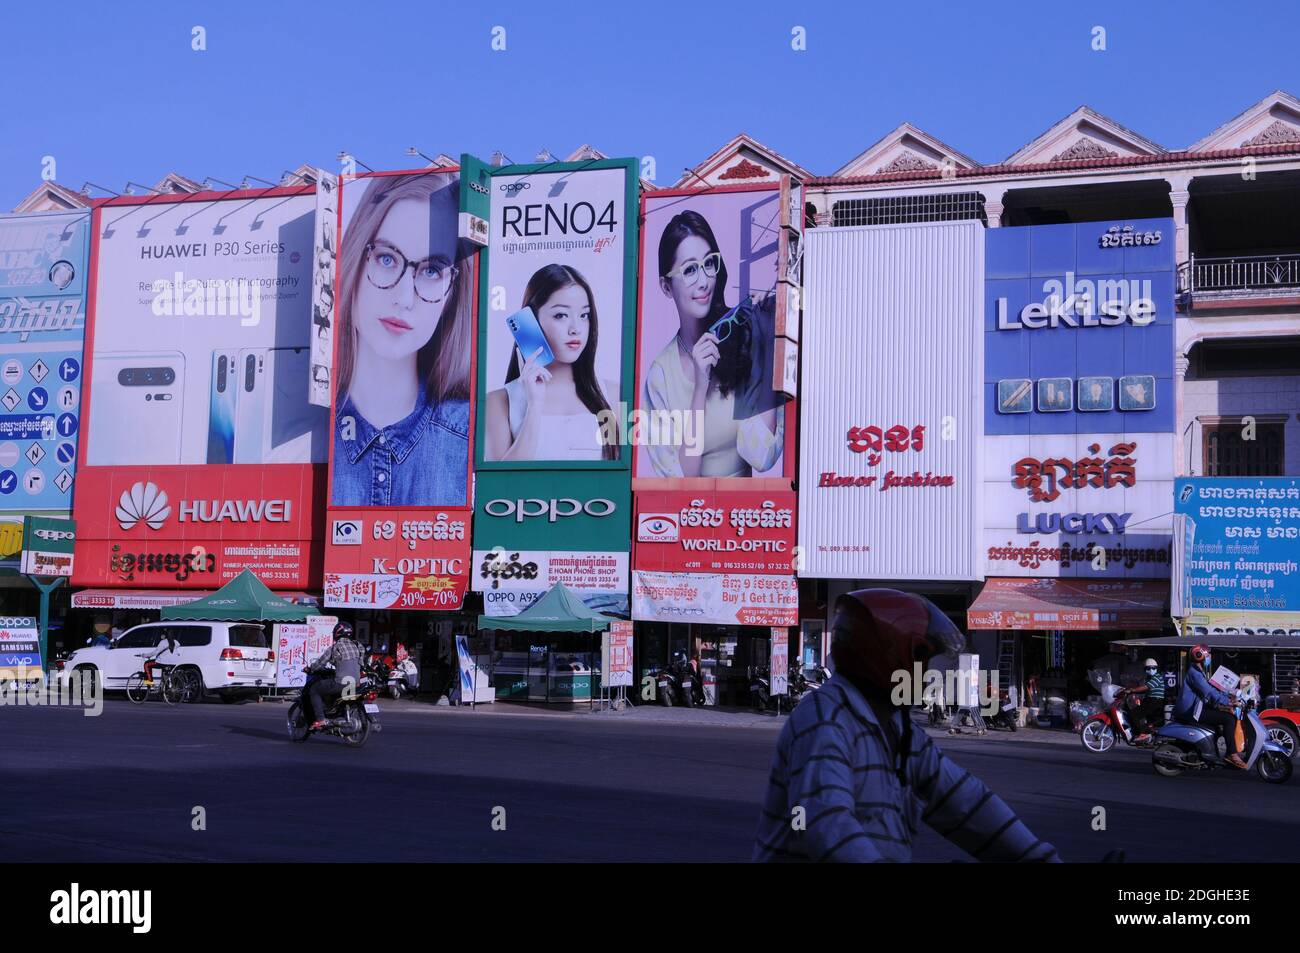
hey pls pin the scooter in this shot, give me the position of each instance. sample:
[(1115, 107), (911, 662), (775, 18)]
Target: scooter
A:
[(1005, 716), (403, 679), (1180, 747), (351, 716), (1100, 730)]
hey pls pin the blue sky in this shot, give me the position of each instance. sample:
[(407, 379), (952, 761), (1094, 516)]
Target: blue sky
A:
[(117, 93)]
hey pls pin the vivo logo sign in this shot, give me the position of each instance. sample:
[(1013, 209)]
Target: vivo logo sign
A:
[(1073, 303), (235, 511), (552, 509)]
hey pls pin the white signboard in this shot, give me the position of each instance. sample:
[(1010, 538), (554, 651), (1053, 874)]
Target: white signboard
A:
[(616, 655), (325, 253), (291, 655), (1079, 506), (533, 570), (721, 598), (892, 402), (779, 673)]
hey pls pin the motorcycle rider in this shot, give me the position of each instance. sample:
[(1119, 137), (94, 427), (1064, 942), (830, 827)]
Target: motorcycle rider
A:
[(1152, 706), (344, 657), (851, 779), (1201, 703)]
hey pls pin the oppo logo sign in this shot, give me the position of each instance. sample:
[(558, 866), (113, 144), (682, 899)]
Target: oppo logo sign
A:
[(553, 510)]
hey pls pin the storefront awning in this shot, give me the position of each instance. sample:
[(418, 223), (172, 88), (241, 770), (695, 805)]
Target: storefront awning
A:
[(1221, 641), (161, 598), (1076, 604)]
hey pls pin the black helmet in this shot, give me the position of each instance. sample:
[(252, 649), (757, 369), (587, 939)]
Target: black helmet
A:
[(343, 631)]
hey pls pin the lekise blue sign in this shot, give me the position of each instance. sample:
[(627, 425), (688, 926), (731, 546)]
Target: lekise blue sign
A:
[(43, 261), (1079, 328), (1244, 566)]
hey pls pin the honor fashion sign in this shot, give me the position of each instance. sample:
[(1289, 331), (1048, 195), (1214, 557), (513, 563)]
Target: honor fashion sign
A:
[(892, 345)]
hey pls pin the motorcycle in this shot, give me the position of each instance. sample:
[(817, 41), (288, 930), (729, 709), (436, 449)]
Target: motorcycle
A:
[(351, 716), (1182, 747), (403, 679), (1101, 730), (1005, 716), (666, 689)]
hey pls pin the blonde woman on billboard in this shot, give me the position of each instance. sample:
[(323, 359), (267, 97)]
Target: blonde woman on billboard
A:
[(401, 432), (706, 363), (551, 412)]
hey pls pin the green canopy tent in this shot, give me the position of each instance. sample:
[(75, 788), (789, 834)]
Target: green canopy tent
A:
[(560, 610), (244, 599)]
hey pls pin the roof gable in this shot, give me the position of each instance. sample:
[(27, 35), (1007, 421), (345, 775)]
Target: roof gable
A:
[(741, 161), (906, 149), (1273, 120), (51, 197), (1084, 134)]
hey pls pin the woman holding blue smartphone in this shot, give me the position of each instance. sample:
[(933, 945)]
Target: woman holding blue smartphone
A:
[(550, 406), (707, 363), (401, 427)]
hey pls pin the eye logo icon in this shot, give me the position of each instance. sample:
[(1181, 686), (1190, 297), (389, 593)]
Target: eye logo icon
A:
[(144, 501), (657, 528)]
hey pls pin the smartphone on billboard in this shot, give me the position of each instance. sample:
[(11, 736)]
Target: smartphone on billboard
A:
[(528, 335), (251, 405), (138, 401), (295, 430), (221, 407)]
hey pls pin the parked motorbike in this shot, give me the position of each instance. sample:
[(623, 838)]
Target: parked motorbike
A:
[(1180, 747), (403, 679), (1004, 717), (351, 716), (1101, 730)]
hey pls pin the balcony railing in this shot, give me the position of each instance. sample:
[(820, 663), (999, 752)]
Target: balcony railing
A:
[(1242, 276)]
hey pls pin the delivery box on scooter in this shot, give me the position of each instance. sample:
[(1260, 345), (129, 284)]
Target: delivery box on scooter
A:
[(1224, 679)]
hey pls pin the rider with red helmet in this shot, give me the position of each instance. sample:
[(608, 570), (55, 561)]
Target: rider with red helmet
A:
[(1200, 703), (851, 780)]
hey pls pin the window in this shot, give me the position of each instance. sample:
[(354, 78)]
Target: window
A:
[(902, 209), (192, 635), (1227, 452), (248, 637), (140, 638)]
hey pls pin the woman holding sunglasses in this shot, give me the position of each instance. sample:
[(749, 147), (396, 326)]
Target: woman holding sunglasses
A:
[(706, 363), (401, 427)]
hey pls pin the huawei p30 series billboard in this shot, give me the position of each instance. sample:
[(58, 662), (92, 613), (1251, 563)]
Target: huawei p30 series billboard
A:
[(203, 453)]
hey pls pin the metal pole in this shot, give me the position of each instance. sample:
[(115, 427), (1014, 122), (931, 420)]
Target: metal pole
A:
[(43, 623)]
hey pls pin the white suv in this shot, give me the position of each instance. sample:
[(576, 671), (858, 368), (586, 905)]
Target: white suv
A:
[(229, 657)]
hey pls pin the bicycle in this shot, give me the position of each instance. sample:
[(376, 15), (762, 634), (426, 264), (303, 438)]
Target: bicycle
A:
[(174, 686)]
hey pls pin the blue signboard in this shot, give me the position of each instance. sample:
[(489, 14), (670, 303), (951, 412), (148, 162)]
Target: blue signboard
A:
[(43, 263), (1245, 559), (1079, 328), (20, 645)]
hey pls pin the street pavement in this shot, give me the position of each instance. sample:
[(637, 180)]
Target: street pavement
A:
[(650, 784)]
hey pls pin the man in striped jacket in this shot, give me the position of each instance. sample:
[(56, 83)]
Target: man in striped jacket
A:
[(851, 780)]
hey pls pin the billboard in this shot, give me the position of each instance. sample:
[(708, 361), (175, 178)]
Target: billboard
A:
[(398, 522), (520, 521), (1244, 569), (555, 328), (324, 257), (203, 454), (1079, 399), (43, 264), (705, 404), (891, 402)]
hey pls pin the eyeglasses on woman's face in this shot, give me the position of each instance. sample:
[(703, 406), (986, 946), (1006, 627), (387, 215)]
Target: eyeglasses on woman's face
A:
[(691, 269), (386, 266), (733, 320)]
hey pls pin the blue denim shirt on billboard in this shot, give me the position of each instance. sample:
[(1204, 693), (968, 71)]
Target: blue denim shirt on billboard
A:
[(419, 461)]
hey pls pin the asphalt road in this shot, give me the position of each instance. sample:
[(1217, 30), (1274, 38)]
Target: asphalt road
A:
[(123, 787)]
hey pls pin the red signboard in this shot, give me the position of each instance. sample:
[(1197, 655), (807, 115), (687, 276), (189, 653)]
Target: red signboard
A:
[(197, 527), (398, 558), (715, 531)]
